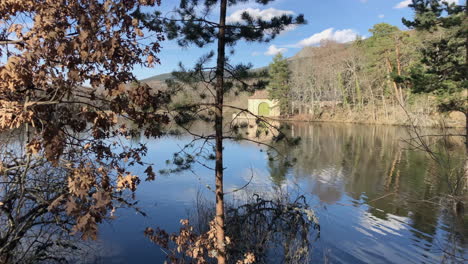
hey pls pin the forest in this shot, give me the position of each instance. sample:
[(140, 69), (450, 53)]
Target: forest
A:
[(384, 78), (99, 166)]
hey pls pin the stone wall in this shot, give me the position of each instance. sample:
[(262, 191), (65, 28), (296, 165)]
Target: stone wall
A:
[(274, 108)]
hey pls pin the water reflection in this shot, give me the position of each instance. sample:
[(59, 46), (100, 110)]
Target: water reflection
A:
[(391, 188), (33, 229), (375, 198)]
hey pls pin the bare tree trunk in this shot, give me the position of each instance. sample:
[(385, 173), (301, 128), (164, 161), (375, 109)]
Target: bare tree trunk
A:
[(466, 149), (466, 138), (466, 110), (343, 91), (373, 103), (219, 169), (358, 91), (395, 85), (398, 57)]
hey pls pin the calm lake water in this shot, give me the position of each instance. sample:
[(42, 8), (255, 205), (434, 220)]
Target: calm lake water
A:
[(364, 184)]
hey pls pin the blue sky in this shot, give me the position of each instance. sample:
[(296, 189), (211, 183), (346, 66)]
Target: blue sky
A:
[(340, 20)]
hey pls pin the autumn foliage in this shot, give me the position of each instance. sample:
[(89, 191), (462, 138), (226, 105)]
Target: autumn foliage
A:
[(50, 50)]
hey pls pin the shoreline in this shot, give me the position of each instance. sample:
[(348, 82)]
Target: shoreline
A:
[(433, 120)]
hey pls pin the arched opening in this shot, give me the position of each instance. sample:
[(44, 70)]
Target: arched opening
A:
[(263, 109)]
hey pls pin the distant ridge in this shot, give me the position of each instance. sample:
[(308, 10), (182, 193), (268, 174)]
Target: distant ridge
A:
[(305, 52), (160, 77), (168, 76)]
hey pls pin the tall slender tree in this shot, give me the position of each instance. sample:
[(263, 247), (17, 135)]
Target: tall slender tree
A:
[(192, 25), (278, 85), (386, 52)]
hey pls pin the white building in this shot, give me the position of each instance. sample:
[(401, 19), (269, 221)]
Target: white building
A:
[(259, 104)]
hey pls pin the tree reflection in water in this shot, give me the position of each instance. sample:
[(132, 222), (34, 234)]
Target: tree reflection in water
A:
[(274, 230), (371, 188), (33, 227), (376, 166)]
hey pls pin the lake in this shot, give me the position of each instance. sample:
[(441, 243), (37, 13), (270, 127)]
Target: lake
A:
[(374, 196)]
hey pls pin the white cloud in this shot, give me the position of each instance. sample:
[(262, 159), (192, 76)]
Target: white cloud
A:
[(341, 36), (381, 16), (404, 4), (273, 50), (266, 14)]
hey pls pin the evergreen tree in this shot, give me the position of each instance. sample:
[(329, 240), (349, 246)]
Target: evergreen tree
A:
[(443, 70), (191, 25), (444, 66), (386, 51), (278, 87)]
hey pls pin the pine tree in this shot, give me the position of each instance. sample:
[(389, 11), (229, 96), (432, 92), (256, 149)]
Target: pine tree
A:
[(443, 70), (386, 51), (191, 26), (444, 66), (278, 86)]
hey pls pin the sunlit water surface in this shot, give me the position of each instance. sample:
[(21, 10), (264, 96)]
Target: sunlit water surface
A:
[(363, 182)]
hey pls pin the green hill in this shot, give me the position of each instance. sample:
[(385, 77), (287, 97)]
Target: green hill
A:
[(160, 77)]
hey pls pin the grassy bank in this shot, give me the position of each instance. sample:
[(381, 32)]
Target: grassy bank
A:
[(423, 115)]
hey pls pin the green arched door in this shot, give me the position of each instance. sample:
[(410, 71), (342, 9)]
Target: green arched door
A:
[(263, 109)]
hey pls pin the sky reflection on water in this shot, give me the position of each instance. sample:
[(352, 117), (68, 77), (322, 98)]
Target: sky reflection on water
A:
[(363, 183)]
